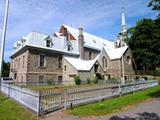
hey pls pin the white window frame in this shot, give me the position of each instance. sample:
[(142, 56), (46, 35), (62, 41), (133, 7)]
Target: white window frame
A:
[(44, 60)]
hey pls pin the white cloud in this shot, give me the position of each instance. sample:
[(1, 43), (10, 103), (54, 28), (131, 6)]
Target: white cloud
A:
[(47, 16)]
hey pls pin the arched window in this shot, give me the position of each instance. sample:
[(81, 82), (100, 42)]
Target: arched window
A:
[(104, 62), (128, 59)]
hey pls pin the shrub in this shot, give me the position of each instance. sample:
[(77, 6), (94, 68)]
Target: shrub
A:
[(157, 71), (88, 80), (49, 82), (77, 80), (113, 78), (95, 80), (100, 106)]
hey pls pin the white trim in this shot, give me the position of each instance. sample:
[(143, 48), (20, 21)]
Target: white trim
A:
[(44, 60)]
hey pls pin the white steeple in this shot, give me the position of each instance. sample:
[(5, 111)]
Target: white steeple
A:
[(120, 38), (123, 24)]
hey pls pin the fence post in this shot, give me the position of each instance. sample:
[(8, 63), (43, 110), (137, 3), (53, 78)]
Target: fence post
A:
[(120, 91), (39, 104), (65, 99), (133, 89), (9, 90)]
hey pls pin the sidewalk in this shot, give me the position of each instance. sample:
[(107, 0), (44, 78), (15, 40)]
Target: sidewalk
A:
[(148, 110)]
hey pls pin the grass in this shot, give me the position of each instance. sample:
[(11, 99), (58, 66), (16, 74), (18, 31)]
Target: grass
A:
[(10, 110), (45, 87), (115, 104)]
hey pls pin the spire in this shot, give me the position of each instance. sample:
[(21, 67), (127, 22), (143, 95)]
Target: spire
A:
[(123, 24)]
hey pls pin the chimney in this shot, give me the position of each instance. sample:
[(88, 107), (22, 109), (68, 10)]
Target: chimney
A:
[(81, 43)]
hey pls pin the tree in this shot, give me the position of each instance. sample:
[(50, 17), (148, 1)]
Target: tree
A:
[(143, 41), (6, 68), (155, 5)]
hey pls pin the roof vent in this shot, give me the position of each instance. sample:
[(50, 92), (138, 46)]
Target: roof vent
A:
[(94, 41), (104, 44)]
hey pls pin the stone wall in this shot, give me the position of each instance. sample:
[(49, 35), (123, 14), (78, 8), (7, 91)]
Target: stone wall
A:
[(88, 51), (69, 72), (50, 71), (18, 68)]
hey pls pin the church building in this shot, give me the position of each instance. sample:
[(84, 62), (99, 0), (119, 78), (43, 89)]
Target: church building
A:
[(71, 52)]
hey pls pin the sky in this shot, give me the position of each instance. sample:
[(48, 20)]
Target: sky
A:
[(98, 17)]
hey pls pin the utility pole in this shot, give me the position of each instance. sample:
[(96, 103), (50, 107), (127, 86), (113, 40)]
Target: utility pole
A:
[(123, 80), (3, 39)]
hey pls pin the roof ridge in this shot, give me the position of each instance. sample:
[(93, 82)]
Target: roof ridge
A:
[(87, 33)]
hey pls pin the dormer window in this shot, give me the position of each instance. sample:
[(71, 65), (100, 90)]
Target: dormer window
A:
[(69, 46), (48, 42)]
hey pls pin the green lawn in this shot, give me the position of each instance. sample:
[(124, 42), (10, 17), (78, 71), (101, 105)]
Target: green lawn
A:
[(115, 104), (10, 110), (45, 87)]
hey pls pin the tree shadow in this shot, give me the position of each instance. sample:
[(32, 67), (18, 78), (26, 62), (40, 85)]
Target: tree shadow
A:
[(141, 116), (2, 99)]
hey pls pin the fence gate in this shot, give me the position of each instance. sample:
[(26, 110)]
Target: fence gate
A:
[(51, 100)]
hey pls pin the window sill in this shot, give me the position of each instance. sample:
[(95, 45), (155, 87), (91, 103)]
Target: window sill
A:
[(42, 67)]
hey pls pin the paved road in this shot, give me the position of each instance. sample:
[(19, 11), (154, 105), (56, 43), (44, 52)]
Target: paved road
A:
[(148, 110)]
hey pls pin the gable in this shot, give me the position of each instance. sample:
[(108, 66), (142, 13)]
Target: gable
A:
[(103, 54), (65, 32)]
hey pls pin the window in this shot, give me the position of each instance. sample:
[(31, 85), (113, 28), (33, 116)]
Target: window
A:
[(59, 62), (128, 59), (15, 76), (23, 61), (41, 79), (48, 43), (59, 79), (65, 68), (104, 62), (21, 78), (19, 63), (90, 55), (42, 60), (95, 68), (69, 45)]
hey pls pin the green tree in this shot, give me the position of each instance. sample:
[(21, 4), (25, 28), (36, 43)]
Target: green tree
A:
[(155, 5), (144, 40), (6, 68)]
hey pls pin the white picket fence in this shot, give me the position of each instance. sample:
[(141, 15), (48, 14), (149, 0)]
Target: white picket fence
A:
[(46, 101), (75, 96), (26, 97)]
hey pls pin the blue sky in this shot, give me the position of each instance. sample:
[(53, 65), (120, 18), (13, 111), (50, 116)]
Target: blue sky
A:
[(99, 17)]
